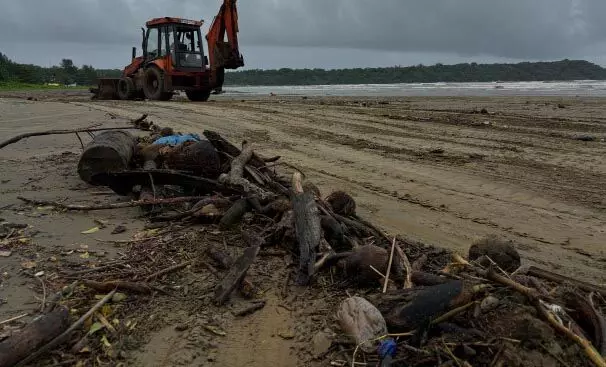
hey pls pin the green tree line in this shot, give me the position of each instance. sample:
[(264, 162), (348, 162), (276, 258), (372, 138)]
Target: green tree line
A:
[(66, 73), (525, 71)]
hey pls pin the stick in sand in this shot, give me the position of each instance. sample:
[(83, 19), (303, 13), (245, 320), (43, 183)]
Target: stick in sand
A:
[(393, 245), (111, 206), (61, 132), (168, 270), (13, 319), (63, 337)]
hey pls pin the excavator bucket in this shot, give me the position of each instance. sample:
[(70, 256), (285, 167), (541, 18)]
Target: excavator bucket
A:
[(107, 88)]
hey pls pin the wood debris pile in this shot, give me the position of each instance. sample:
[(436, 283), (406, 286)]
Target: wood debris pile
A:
[(215, 210)]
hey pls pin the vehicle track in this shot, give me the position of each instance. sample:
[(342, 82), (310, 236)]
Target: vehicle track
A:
[(438, 175)]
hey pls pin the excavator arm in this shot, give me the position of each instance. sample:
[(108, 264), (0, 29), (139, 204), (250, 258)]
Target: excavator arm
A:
[(224, 54)]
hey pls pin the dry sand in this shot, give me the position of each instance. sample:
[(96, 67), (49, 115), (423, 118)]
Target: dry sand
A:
[(433, 169)]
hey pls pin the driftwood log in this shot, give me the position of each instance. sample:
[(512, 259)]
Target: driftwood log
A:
[(123, 182), (307, 228), (225, 261), (108, 152), (555, 277), (235, 177), (33, 336), (235, 275), (234, 214), (225, 146)]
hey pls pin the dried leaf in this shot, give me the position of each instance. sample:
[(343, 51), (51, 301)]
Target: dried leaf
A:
[(152, 232), (5, 253), (105, 342), (53, 258), (118, 297), (39, 274), (106, 310), (48, 207), (105, 323), (28, 264), (24, 239), (85, 349), (95, 327), (92, 230), (102, 223)]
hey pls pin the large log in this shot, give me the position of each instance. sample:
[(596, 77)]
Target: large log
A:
[(109, 151), (200, 157), (307, 228), (235, 275), (33, 336)]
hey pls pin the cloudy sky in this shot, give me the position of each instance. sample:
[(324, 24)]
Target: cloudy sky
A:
[(318, 33)]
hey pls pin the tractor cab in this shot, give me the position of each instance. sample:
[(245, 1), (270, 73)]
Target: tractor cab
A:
[(177, 41)]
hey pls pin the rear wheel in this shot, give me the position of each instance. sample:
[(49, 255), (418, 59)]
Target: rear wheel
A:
[(198, 95), (126, 89), (153, 85)]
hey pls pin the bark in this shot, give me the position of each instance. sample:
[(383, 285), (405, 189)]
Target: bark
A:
[(235, 275), (307, 228), (225, 261), (33, 336), (110, 151), (234, 214)]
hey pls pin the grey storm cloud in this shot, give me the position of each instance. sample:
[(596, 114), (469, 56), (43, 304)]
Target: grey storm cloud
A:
[(515, 29)]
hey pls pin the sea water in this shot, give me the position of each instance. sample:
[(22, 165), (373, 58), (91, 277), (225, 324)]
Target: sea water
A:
[(581, 88)]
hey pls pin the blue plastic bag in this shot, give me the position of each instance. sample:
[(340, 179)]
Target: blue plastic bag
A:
[(177, 139)]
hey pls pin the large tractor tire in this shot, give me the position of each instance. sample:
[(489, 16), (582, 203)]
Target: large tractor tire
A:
[(126, 89), (153, 85), (200, 95)]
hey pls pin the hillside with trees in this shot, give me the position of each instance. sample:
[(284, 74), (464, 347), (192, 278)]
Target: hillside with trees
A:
[(525, 71), (66, 73)]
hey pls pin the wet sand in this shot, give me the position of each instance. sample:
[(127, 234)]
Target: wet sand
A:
[(434, 169)]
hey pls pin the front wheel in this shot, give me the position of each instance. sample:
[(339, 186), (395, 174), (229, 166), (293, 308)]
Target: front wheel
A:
[(198, 95), (153, 85)]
